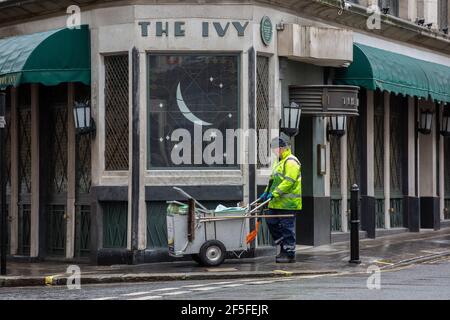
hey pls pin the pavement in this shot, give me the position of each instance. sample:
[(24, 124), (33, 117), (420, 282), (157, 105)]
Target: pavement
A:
[(387, 252)]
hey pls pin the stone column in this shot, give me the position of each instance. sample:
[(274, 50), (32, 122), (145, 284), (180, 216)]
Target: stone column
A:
[(314, 223), (97, 144), (429, 200), (411, 200), (430, 8), (408, 9), (142, 242)]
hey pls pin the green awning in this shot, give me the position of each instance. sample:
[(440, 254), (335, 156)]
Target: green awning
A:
[(374, 68), (49, 58)]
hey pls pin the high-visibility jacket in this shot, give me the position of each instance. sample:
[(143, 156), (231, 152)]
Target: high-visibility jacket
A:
[(286, 183)]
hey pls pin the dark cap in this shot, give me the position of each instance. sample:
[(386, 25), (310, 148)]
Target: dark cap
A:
[(279, 142)]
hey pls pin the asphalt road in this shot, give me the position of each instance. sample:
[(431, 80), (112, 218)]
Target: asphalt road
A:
[(425, 281)]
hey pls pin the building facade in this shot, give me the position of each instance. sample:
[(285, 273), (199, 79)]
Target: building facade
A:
[(152, 69)]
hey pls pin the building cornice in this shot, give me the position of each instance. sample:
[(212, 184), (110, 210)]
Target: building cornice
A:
[(13, 12)]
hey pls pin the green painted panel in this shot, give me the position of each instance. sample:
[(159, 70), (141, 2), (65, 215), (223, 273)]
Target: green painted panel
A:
[(56, 230), (82, 230), (115, 224), (396, 216), (379, 213), (24, 229), (156, 225), (336, 218), (447, 212)]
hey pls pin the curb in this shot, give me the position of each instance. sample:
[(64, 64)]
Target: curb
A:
[(59, 280), (416, 260)]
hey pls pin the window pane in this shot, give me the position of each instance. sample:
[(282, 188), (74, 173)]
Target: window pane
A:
[(188, 91)]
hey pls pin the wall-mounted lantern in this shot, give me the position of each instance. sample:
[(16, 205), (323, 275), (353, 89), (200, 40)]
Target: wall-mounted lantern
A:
[(84, 123), (425, 121), (337, 126), (445, 123), (290, 122)]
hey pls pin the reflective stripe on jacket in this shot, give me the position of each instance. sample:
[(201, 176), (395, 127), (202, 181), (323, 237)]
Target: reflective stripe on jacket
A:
[(286, 184)]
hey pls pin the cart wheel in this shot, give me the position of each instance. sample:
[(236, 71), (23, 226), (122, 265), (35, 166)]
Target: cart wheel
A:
[(212, 253), (196, 258)]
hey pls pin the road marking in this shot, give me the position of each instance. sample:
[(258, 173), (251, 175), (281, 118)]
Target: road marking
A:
[(221, 270), (283, 272), (104, 298), (164, 289), (136, 293), (311, 276), (196, 285), (147, 298), (205, 288), (383, 262), (175, 293), (233, 285), (263, 282), (285, 279), (219, 283), (434, 252)]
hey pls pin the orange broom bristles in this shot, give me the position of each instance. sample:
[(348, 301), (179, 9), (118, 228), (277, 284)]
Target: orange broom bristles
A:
[(252, 235)]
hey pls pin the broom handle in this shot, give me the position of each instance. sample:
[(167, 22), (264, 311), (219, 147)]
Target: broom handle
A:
[(246, 217), (187, 195)]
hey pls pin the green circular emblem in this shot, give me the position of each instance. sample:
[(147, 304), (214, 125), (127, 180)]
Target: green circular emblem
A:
[(266, 30)]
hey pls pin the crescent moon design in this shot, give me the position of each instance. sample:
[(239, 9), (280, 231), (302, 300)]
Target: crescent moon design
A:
[(185, 110)]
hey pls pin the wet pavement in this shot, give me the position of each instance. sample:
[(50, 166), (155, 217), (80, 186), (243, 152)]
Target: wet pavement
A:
[(424, 281), (383, 252)]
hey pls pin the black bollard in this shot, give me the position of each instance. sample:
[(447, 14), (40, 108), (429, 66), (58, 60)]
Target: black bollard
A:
[(354, 225)]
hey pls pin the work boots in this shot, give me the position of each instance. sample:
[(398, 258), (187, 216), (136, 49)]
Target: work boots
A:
[(283, 257)]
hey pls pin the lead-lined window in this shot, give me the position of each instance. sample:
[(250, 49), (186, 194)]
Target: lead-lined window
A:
[(116, 112)]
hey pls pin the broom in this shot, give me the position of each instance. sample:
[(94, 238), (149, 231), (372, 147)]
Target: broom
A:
[(252, 235)]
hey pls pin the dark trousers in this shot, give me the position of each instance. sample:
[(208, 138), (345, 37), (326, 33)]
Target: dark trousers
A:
[(283, 230)]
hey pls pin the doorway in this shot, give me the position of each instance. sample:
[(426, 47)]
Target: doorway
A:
[(53, 168)]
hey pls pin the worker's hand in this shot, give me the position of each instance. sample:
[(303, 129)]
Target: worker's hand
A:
[(269, 196), (262, 198)]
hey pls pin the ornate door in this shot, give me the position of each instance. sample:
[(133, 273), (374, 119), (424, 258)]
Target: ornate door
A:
[(53, 107), (7, 150), (335, 184), (447, 178), (396, 158), (24, 168), (379, 159)]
